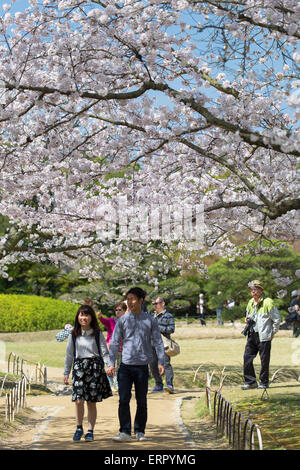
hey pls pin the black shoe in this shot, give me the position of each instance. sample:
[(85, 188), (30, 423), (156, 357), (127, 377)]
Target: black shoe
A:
[(249, 386), (261, 386)]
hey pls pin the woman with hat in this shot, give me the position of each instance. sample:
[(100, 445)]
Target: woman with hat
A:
[(266, 319)]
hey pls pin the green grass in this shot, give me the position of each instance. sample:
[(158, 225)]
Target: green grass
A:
[(276, 413), (37, 347), (225, 352), (50, 354), (229, 352), (201, 408), (199, 355)]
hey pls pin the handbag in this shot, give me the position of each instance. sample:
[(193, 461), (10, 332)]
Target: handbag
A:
[(171, 347)]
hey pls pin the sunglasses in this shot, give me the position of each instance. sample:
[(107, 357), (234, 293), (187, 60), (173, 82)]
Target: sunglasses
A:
[(156, 303)]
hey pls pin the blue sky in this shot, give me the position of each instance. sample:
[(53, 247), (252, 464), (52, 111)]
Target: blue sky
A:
[(19, 5)]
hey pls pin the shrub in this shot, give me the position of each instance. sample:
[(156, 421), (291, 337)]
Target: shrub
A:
[(34, 313)]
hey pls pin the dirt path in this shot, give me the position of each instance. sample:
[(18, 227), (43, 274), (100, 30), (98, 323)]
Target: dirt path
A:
[(51, 424)]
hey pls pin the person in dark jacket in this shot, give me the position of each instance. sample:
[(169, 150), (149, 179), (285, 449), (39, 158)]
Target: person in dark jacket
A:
[(166, 325)]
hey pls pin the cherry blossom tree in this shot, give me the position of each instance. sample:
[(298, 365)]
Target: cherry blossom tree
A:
[(166, 103)]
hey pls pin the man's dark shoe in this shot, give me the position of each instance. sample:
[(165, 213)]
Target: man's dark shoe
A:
[(261, 386), (249, 386)]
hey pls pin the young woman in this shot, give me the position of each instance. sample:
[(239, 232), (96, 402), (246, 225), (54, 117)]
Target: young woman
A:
[(87, 351)]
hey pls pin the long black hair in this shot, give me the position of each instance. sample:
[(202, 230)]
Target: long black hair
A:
[(87, 310)]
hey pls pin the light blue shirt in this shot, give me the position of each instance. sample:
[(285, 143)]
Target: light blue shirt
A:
[(138, 334)]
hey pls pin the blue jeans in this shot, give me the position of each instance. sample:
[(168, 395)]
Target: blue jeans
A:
[(219, 316), (127, 376)]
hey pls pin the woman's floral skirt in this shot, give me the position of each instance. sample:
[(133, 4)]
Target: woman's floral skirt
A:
[(89, 380)]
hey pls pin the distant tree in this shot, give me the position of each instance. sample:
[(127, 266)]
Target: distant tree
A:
[(275, 269)]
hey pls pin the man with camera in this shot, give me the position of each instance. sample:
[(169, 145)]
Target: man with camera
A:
[(262, 322)]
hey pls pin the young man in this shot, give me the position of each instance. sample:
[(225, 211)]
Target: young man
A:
[(138, 331), (166, 325), (266, 320)]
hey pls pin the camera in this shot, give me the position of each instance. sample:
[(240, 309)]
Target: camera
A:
[(249, 327)]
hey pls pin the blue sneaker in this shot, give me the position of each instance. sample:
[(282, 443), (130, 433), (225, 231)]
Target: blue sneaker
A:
[(89, 436), (158, 388), (78, 435)]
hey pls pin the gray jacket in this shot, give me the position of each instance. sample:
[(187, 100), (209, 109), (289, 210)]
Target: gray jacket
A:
[(266, 316)]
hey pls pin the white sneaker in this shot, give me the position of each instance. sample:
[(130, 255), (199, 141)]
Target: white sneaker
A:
[(140, 436), (122, 437)]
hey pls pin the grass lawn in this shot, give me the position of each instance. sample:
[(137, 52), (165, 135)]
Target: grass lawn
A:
[(277, 413), (198, 355), (216, 345)]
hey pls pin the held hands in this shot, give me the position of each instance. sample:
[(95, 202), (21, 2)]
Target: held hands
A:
[(161, 369)]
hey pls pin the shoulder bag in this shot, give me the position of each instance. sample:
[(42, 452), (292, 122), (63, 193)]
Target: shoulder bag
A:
[(171, 347)]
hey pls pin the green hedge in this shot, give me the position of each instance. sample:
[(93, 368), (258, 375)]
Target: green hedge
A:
[(34, 313)]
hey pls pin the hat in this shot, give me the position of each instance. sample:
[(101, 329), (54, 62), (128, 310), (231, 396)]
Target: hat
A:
[(255, 284), (294, 293)]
